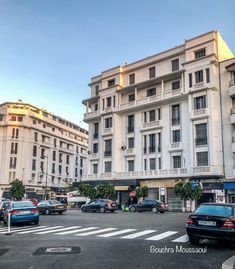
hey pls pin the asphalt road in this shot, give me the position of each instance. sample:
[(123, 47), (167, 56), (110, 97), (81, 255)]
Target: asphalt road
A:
[(107, 241)]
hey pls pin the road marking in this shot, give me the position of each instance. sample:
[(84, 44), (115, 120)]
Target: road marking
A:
[(78, 230), (229, 263), (20, 230), (58, 230), (15, 228), (41, 229), (135, 235), (182, 239), (117, 233), (96, 232), (161, 236)]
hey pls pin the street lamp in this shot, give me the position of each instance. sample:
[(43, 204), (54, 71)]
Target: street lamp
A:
[(46, 157)]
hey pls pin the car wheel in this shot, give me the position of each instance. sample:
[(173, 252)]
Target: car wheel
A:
[(47, 212), (102, 209), (162, 212), (154, 210), (193, 240), (84, 209), (132, 209)]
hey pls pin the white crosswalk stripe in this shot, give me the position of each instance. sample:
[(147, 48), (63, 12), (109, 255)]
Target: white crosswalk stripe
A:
[(59, 230), (96, 232), (135, 235), (41, 229), (117, 233), (77, 230), (161, 236), (182, 239), (15, 228), (20, 230)]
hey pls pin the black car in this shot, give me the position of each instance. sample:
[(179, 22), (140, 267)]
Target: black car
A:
[(3, 206), (101, 205), (211, 221), (51, 206), (149, 205)]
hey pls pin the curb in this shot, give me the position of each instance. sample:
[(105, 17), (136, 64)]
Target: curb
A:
[(229, 263)]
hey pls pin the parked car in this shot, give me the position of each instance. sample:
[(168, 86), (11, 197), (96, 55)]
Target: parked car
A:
[(32, 200), (149, 205), (101, 205), (51, 206), (21, 211), (3, 206), (211, 221)]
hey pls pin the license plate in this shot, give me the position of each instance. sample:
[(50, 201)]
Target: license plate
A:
[(60, 207), (25, 212), (113, 205), (207, 223)]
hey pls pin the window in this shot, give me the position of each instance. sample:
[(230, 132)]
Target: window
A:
[(20, 118), (103, 103), (53, 168), (152, 163), (96, 107), (132, 79), (152, 72), (131, 97), (159, 113), (81, 162), (13, 162), (176, 136), (34, 151), (60, 169), (95, 148), (14, 148), (175, 115), (97, 90), (54, 155), (207, 75), (108, 122), (190, 80), (200, 102), (33, 165), (12, 118), (130, 124), (199, 76), (131, 166), (152, 143), (15, 133), (145, 117), (108, 147), (54, 142), (202, 158), (96, 130), (159, 137), (67, 159), (175, 85), (152, 115), (201, 134), (114, 101), (159, 163), (111, 82), (61, 158), (145, 164), (95, 168), (107, 167), (131, 143), (200, 53), (145, 143), (151, 92), (175, 65), (36, 137), (109, 101), (176, 161), (67, 170)]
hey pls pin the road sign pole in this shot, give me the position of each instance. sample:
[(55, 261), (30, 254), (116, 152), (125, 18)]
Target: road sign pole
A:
[(9, 224)]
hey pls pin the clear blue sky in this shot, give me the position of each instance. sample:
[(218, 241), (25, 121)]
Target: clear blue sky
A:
[(49, 49)]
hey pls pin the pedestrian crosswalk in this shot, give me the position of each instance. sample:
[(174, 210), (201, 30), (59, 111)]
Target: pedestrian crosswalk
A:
[(99, 232)]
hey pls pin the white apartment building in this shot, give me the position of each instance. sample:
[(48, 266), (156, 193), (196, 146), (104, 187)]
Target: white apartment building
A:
[(158, 120), (39, 148)]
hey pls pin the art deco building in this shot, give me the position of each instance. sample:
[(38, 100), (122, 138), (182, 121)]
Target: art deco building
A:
[(159, 120), (39, 147)]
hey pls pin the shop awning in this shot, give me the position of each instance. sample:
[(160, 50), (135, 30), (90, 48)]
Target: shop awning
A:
[(229, 185)]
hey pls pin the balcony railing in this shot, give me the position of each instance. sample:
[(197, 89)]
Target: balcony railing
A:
[(94, 156), (107, 130), (199, 85), (231, 82), (151, 124), (107, 153), (199, 112), (201, 169), (175, 145), (201, 141), (91, 114)]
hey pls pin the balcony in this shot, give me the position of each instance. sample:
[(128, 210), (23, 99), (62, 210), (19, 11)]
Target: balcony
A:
[(175, 145), (107, 110), (91, 115), (94, 156), (197, 113), (108, 131), (232, 88), (151, 125), (199, 86), (129, 152)]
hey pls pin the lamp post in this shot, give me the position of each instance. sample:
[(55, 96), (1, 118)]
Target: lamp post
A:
[(46, 157)]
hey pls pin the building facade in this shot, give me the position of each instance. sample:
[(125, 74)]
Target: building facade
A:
[(40, 148), (159, 120)]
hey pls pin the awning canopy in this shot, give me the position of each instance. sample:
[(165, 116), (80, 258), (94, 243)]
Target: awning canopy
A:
[(229, 185)]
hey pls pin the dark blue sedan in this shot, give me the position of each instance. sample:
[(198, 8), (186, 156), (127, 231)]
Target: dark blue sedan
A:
[(21, 211)]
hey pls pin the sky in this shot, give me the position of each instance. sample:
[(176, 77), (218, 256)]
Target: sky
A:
[(49, 50)]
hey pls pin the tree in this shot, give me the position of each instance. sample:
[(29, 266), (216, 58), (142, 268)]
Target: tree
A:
[(105, 191), (142, 192), (17, 190), (187, 192), (86, 190), (69, 184)]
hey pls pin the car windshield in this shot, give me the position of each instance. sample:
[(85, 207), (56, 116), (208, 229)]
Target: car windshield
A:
[(22, 204), (54, 202), (215, 210)]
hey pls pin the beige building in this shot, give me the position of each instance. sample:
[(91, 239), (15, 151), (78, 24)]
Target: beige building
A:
[(158, 120), (39, 148)]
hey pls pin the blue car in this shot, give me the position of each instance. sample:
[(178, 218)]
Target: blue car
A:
[(21, 211)]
